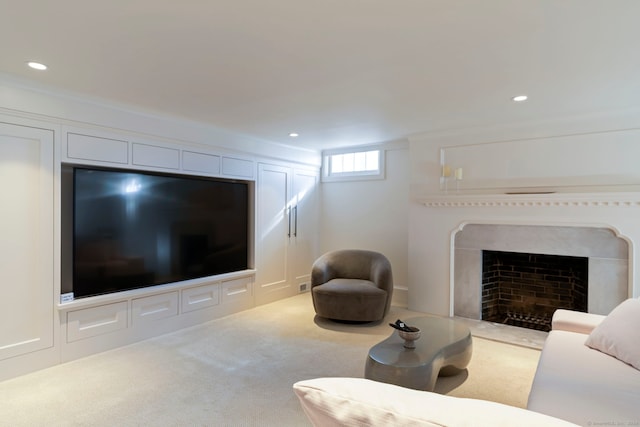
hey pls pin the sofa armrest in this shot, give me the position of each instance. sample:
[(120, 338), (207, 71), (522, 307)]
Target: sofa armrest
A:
[(339, 402), (575, 321)]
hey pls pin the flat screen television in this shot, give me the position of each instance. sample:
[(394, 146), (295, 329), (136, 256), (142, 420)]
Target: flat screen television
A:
[(125, 229)]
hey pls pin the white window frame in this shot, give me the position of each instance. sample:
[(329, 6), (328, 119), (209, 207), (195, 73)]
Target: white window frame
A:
[(328, 155)]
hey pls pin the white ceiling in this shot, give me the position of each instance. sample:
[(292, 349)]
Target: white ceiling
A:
[(338, 72)]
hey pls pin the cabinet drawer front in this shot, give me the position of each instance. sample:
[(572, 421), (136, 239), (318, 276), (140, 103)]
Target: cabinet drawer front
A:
[(90, 322), (154, 307), (95, 148), (200, 297), (237, 289)]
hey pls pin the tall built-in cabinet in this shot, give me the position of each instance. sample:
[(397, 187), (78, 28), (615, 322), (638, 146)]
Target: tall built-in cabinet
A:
[(40, 328), (287, 230), (27, 313)]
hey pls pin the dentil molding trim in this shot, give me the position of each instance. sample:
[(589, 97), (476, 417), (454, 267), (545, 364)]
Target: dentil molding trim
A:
[(532, 200)]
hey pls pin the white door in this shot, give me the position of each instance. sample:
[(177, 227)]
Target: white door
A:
[(304, 237), (273, 233)]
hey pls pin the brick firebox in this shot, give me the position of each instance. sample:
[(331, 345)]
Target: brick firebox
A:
[(524, 289)]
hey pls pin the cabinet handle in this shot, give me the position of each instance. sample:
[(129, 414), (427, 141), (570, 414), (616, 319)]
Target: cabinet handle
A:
[(295, 221), (289, 221)]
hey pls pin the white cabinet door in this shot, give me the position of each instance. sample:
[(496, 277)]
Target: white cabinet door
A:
[(304, 237), (26, 246), (273, 233), (287, 230)]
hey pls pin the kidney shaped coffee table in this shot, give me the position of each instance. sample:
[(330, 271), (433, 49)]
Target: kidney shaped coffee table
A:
[(444, 348)]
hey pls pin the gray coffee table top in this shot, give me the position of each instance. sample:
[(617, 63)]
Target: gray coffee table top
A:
[(444, 348)]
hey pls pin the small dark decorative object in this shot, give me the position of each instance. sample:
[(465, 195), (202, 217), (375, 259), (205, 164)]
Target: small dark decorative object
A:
[(408, 333)]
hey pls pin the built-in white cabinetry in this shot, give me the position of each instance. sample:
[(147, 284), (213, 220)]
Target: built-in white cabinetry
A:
[(119, 150), (94, 324), (41, 329), (26, 248), (287, 230)]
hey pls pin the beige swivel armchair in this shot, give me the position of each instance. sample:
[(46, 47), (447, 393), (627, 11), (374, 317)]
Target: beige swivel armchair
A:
[(352, 285)]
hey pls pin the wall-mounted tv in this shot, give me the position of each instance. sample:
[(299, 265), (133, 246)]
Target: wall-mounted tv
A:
[(125, 229)]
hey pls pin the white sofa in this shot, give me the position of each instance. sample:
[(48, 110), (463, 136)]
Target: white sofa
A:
[(580, 384), (573, 385), (358, 402)]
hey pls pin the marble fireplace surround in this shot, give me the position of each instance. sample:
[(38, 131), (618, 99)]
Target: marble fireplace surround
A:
[(448, 232), (608, 259)]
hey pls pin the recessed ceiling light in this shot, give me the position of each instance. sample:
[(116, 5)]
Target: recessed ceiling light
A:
[(519, 98), (293, 135), (37, 65)]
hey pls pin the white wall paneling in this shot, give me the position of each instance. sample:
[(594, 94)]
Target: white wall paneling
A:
[(240, 168), (117, 149), (85, 147), (154, 156), (585, 160), (200, 162), (27, 244)]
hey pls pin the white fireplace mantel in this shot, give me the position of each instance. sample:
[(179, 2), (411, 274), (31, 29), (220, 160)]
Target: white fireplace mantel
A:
[(435, 220)]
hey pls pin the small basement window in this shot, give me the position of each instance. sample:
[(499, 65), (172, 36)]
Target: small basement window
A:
[(350, 164)]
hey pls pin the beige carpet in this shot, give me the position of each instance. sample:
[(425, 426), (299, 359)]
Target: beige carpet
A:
[(236, 371)]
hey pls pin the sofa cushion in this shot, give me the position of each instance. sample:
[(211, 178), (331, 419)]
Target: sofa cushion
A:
[(582, 385), (619, 333), (360, 402)]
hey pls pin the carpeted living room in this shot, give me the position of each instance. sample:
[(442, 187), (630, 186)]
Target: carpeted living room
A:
[(331, 213)]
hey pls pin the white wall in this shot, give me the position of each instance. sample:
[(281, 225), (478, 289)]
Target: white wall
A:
[(371, 215)]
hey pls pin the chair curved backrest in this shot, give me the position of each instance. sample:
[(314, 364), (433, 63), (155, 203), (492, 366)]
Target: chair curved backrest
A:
[(353, 264)]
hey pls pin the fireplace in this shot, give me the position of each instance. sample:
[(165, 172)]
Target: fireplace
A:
[(524, 289), (588, 267)]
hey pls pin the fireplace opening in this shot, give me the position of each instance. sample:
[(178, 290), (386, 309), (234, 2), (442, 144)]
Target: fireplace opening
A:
[(524, 289)]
